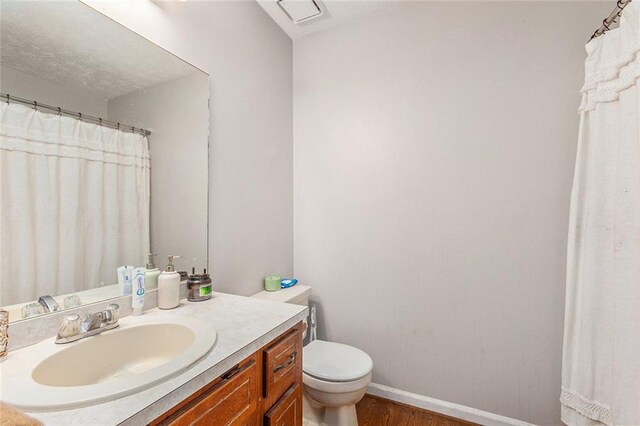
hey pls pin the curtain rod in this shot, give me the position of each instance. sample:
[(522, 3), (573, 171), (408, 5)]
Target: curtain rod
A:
[(611, 19), (78, 115)]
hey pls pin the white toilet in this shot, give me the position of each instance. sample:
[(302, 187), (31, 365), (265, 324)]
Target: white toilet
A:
[(335, 376)]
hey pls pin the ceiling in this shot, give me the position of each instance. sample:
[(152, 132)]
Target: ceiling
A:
[(75, 46), (335, 13)]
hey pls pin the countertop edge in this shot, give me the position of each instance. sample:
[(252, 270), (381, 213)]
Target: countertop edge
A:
[(177, 395)]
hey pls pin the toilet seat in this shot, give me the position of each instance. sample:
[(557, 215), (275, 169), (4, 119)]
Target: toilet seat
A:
[(336, 387), (335, 362)]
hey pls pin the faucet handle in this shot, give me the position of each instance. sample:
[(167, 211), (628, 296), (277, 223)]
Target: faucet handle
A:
[(111, 314), (32, 309), (70, 326)]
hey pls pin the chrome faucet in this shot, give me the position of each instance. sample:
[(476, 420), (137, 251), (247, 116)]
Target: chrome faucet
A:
[(91, 322), (73, 328), (49, 303)]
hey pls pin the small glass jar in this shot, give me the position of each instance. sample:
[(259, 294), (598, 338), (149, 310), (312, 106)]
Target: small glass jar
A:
[(199, 287)]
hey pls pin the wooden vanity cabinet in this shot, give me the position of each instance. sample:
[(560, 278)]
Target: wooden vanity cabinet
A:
[(282, 362), (264, 389), (288, 410)]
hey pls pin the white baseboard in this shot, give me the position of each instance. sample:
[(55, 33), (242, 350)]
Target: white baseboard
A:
[(443, 407)]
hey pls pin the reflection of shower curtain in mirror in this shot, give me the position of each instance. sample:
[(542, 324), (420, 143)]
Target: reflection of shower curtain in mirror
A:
[(74, 203)]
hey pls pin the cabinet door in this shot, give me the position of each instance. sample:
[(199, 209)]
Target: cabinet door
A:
[(282, 365), (288, 410), (232, 401)]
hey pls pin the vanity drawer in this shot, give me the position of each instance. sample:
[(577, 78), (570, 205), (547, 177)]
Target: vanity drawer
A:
[(287, 411), (282, 365), (233, 400)]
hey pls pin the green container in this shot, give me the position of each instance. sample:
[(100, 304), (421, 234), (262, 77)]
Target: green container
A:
[(272, 283)]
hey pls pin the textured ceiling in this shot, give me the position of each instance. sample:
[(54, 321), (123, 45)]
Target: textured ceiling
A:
[(335, 12), (69, 43)]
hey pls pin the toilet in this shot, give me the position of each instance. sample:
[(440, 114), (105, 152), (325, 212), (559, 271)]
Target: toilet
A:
[(335, 376)]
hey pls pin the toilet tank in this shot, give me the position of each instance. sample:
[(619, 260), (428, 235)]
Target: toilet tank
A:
[(298, 295)]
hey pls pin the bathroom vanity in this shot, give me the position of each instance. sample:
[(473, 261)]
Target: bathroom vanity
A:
[(264, 388), (252, 376)]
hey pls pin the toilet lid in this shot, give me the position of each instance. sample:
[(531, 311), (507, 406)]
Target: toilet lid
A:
[(335, 362)]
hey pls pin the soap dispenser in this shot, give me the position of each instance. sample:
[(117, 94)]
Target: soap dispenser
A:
[(151, 274), (169, 286)]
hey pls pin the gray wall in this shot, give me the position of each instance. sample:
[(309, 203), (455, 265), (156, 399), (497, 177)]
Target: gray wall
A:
[(251, 186), (433, 156), (177, 114)]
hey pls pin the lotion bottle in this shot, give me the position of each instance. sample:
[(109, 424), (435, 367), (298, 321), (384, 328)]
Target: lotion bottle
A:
[(169, 286), (151, 274)]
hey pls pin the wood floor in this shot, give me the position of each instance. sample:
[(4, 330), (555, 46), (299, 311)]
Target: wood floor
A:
[(374, 411)]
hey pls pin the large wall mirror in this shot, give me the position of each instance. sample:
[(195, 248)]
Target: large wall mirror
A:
[(103, 156)]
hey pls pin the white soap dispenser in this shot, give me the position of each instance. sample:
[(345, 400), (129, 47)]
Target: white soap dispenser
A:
[(169, 286), (152, 273)]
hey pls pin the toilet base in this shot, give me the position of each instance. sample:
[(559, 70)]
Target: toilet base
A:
[(316, 414), (332, 403)]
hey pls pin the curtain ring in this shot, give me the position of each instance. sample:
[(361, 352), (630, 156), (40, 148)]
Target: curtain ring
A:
[(35, 105), (606, 25), (8, 98), (80, 116), (118, 126), (133, 129), (59, 111), (100, 121)]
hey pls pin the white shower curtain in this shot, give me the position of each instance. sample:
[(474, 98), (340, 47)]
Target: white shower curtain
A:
[(601, 358), (74, 203)]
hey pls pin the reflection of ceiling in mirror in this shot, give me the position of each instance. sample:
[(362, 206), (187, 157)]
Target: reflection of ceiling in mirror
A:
[(73, 45)]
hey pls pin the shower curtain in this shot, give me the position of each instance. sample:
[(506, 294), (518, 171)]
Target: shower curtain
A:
[(74, 203), (601, 358)]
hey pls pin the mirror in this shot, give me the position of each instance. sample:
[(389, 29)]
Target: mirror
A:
[(103, 156)]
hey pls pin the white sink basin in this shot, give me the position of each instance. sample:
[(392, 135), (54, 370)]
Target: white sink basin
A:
[(140, 353)]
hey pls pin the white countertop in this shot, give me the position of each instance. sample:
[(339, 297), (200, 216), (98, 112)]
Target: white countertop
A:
[(243, 325)]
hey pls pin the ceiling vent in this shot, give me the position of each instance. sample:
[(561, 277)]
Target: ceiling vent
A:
[(300, 10)]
